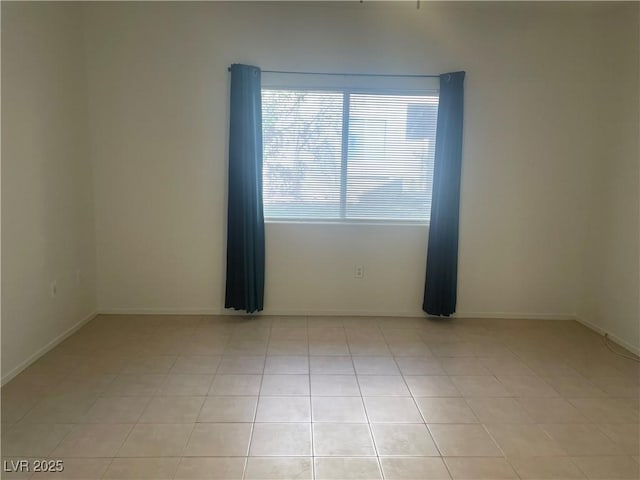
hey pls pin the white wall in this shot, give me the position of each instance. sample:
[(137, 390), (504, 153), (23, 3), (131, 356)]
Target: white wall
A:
[(158, 86), (47, 199), (158, 89), (611, 289)]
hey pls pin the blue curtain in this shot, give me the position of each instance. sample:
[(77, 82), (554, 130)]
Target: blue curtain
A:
[(245, 217), (440, 291)]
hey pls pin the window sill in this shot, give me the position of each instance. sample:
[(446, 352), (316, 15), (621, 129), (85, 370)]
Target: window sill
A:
[(350, 223)]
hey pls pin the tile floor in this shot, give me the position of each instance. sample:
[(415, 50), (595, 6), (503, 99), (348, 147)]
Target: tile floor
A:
[(159, 397)]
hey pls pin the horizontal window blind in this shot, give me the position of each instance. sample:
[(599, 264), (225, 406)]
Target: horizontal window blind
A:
[(344, 155)]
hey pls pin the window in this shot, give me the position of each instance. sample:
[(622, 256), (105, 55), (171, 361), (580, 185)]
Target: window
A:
[(348, 155)]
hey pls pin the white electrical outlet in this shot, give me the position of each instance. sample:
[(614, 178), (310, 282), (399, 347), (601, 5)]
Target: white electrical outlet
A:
[(359, 271)]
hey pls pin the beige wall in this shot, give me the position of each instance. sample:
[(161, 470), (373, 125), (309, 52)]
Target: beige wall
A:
[(47, 211), (158, 86), (611, 294)]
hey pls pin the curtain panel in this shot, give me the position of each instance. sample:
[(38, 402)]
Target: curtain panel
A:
[(245, 217), (440, 293)]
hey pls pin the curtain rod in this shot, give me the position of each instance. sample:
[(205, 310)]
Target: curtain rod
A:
[(350, 74)]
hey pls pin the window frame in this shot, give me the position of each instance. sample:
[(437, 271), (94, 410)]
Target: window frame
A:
[(344, 154)]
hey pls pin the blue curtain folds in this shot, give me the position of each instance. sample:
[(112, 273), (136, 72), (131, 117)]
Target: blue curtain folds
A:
[(245, 216), (440, 293)]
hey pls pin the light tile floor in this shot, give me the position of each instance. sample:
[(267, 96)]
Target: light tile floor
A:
[(168, 397)]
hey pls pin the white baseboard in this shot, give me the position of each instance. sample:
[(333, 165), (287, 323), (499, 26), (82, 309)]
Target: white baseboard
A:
[(332, 313), (49, 346), (635, 349), (421, 314), (163, 311), (339, 313), (516, 316)]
